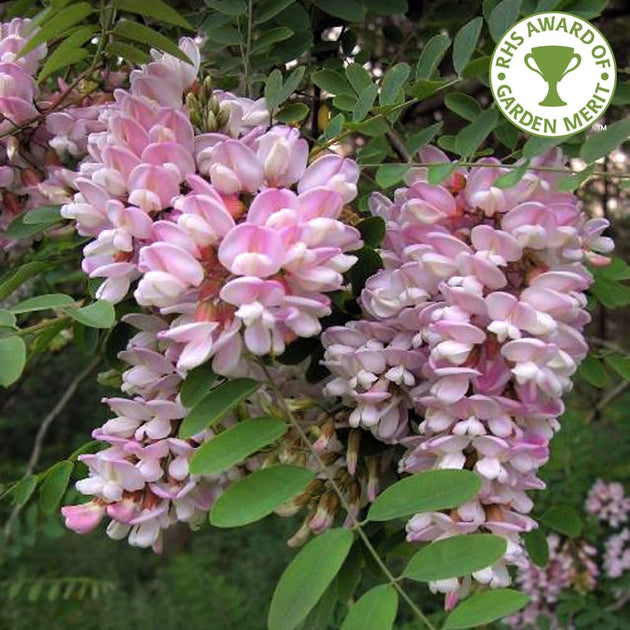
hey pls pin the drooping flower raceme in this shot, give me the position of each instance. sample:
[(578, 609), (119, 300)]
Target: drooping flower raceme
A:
[(230, 240), (571, 566), (41, 130), (233, 237), (141, 481), (474, 328)]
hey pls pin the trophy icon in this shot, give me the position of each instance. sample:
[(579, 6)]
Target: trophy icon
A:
[(553, 65)]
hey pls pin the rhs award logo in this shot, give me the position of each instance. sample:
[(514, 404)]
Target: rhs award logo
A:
[(553, 74)]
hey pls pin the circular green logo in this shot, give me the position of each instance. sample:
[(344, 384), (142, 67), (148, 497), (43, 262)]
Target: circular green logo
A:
[(553, 74)]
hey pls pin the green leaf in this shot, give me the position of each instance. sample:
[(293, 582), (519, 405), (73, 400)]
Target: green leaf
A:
[(507, 134), (463, 105), (347, 10), (622, 93), (575, 180), (16, 279), (423, 88), (586, 9), (465, 43), (292, 113), (486, 607), (307, 577), (291, 84), (7, 319), (618, 269), (620, 364), (432, 54), (156, 10), (455, 556), (99, 314), (536, 145), (439, 172), (59, 23), (271, 37), (425, 492), (42, 302), (229, 7), (145, 35), (358, 77), (267, 9), (273, 85), (66, 54), (258, 495), (610, 293), (393, 83), (502, 17), (388, 175), (478, 67), (602, 143), (225, 34), (346, 103), (350, 574), (537, 547), (18, 228), (419, 140), (593, 372), (375, 610), (23, 490), (333, 82), (372, 230), (563, 519), (468, 140), (196, 385), (216, 405), (54, 486), (12, 359), (128, 52), (235, 445), (335, 126), (365, 102), (513, 176), (321, 614), (44, 214)]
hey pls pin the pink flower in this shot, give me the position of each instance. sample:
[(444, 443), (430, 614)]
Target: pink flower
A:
[(332, 172), (83, 518), (283, 155)]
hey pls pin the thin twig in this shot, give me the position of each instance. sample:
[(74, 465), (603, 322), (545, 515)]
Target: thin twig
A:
[(620, 603), (398, 145), (546, 169), (43, 430), (606, 400), (356, 525)]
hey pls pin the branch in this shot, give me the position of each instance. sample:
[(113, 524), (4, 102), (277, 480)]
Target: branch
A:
[(43, 430)]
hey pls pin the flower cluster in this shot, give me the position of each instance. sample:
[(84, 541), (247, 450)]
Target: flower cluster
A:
[(232, 237), (570, 566), (473, 328), (608, 502), (231, 240), (141, 480), (38, 131), (617, 554)]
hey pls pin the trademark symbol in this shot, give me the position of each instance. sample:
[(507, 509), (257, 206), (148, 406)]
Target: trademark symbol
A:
[(599, 127)]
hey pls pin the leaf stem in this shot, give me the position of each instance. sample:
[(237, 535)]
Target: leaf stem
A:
[(356, 524)]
